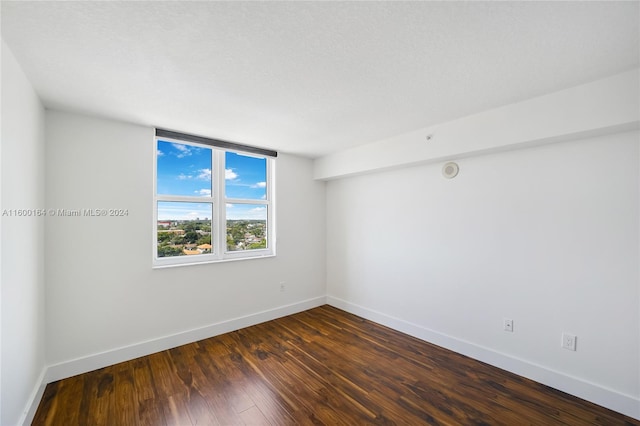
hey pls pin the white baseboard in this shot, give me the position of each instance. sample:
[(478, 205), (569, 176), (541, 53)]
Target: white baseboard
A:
[(34, 400), (607, 398), (126, 353)]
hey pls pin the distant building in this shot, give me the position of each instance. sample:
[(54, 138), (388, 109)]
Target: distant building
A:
[(205, 248)]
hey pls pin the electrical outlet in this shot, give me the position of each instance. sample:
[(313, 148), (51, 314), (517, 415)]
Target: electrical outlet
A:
[(569, 341), (282, 286), (507, 324)]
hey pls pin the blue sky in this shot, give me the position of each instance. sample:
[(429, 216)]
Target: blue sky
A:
[(186, 170)]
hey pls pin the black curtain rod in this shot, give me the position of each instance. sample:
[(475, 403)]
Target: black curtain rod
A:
[(162, 133)]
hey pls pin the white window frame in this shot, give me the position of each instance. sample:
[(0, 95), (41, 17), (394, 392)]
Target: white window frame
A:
[(219, 251)]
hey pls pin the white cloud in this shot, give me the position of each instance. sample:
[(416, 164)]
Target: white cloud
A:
[(246, 212), (184, 151), (205, 174), (259, 185), (204, 192), (182, 176), (229, 174), (159, 153)]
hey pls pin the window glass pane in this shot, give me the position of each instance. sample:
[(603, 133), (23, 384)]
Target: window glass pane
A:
[(246, 227), (184, 229), (183, 169), (245, 176)]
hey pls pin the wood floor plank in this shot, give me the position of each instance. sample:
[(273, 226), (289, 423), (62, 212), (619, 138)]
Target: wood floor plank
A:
[(253, 416), (318, 367), (213, 387), (103, 411), (48, 407), (167, 382), (150, 413), (149, 408), (70, 390), (175, 410), (125, 397)]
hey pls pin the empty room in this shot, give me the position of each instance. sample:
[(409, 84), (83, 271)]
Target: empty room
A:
[(320, 213)]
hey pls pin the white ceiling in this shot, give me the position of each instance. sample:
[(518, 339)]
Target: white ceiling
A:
[(311, 78)]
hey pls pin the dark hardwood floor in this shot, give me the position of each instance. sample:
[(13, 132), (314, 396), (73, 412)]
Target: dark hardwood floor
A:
[(322, 366)]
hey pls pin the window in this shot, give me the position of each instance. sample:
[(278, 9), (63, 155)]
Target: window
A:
[(213, 200)]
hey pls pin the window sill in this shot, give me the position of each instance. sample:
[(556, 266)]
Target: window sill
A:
[(163, 265)]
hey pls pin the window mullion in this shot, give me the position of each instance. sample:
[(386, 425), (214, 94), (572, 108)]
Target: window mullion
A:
[(184, 198), (270, 199), (219, 202), (245, 201)]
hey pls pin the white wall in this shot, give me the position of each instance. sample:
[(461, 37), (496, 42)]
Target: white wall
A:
[(547, 236), (22, 260), (103, 295)]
